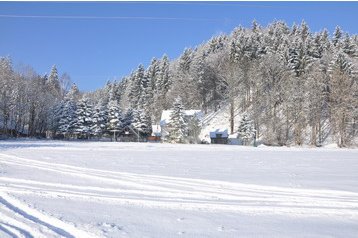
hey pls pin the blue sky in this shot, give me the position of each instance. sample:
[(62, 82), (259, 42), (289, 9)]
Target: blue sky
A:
[(94, 50)]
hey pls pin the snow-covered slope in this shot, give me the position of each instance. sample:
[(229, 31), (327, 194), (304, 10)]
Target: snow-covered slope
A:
[(218, 120), (101, 189)]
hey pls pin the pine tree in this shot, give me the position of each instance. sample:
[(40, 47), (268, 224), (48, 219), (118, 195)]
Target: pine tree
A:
[(194, 129), (53, 83), (177, 126), (73, 93), (114, 118), (100, 119), (84, 122), (349, 47), (68, 117), (246, 130), (185, 60), (146, 93), (142, 122), (162, 86), (153, 74), (337, 36), (128, 118), (137, 79)]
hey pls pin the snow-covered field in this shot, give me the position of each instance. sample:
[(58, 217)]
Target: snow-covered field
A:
[(102, 189)]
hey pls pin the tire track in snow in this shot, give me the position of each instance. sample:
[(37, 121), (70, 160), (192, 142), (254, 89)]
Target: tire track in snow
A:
[(34, 219), (18, 216), (182, 193), (14, 231), (7, 231), (97, 192)]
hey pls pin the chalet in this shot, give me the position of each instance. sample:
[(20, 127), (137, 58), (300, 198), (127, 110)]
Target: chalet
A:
[(219, 136)]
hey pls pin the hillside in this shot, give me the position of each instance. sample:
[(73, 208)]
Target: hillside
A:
[(297, 87)]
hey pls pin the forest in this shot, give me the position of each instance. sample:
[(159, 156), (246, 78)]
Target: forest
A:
[(296, 86)]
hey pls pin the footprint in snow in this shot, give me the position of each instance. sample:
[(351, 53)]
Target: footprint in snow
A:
[(111, 226)]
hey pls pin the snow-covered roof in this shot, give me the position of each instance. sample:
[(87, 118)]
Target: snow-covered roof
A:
[(165, 119), (224, 133), (156, 130)]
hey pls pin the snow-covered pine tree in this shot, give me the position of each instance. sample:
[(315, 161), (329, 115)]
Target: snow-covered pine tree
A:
[(53, 83), (337, 36), (194, 129), (73, 93), (56, 115), (84, 122), (141, 122), (152, 74), (146, 93), (68, 117), (114, 118), (246, 130), (185, 60), (177, 126), (164, 74), (100, 119), (128, 118), (136, 86), (162, 85)]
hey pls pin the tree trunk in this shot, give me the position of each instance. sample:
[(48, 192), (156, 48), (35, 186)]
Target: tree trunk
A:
[(232, 111), (314, 135)]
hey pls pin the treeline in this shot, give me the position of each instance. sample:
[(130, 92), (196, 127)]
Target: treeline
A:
[(27, 100), (296, 86)]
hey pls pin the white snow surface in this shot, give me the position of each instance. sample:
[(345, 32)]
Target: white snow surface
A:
[(104, 189)]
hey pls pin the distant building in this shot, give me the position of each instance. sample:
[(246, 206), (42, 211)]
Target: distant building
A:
[(219, 136)]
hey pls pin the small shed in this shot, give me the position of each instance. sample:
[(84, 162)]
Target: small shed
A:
[(219, 136)]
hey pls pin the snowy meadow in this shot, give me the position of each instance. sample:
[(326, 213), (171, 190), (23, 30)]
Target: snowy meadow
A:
[(103, 189)]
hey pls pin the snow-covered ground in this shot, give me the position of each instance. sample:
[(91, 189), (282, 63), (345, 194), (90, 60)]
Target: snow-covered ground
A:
[(102, 189)]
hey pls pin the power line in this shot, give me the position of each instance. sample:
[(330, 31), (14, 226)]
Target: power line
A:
[(111, 17)]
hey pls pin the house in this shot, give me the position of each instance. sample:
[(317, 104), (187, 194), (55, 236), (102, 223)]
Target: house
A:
[(219, 136), (165, 120)]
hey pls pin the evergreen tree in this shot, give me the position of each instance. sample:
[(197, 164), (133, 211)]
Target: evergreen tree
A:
[(84, 114), (128, 118), (337, 35), (177, 126), (246, 130), (73, 93), (68, 117), (114, 118), (100, 119), (194, 129), (142, 122), (53, 83)]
